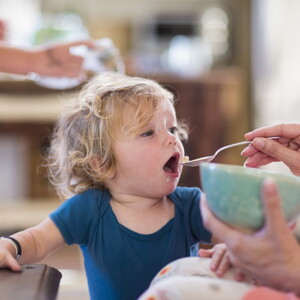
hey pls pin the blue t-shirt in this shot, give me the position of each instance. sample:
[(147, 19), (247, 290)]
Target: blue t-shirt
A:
[(119, 262)]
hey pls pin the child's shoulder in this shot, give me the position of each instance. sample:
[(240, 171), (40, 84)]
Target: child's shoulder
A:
[(91, 197), (91, 193), (187, 192), (186, 196)]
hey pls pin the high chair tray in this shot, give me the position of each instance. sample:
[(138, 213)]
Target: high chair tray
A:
[(35, 282)]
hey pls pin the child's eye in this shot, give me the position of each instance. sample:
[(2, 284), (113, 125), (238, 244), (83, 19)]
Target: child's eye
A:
[(148, 133), (173, 130)]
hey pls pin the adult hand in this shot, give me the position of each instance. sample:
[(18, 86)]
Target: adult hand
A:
[(271, 255), (56, 60), (2, 30), (286, 148)]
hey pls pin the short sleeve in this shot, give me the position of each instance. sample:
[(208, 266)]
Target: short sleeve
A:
[(77, 217)]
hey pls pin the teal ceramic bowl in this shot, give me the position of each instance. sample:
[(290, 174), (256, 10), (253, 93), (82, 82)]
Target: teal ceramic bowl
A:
[(233, 193)]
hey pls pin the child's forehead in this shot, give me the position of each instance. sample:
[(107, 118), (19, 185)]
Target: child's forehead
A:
[(166, 110), (149, 105), (135, 119), (152, 116)]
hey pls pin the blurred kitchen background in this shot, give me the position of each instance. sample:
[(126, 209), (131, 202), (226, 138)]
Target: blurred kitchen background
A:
[(232, 64)]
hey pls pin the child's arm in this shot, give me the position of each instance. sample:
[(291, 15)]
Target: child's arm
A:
[(36, 243), (220, 261)]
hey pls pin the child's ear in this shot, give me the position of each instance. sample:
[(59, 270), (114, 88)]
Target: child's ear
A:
[(95, 164)]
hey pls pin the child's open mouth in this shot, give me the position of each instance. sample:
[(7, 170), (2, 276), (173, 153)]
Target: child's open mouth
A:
[(171, 166)]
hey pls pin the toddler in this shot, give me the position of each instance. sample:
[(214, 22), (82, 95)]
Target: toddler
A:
[(116, 153)]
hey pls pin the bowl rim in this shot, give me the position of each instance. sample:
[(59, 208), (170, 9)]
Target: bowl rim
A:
[(248, 171)]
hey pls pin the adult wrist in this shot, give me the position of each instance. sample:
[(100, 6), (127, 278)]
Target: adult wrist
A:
[(37, 60), (16, 245)]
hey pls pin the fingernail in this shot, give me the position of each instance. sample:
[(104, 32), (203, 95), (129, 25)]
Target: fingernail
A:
[(245, 163), (244, 150), (269, 185), (259, 143)]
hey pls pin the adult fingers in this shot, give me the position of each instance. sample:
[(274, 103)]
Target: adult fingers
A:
[(87, 42), (259, 159), (249, 151), (286, 130), (276, 150), (275, 222), (74, 61)]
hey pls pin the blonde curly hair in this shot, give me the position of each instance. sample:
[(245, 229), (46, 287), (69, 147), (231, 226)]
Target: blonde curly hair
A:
[(81, 153)]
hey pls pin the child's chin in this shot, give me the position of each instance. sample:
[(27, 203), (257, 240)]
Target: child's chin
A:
[(172, 186)]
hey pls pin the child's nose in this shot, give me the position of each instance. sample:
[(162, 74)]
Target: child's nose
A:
[(171, 138)]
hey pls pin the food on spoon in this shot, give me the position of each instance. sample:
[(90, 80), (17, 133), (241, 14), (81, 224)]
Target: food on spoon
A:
[(185, 159)]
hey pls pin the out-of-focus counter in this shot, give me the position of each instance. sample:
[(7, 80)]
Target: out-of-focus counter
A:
[(22, 101), (20, 214), (32, 108)]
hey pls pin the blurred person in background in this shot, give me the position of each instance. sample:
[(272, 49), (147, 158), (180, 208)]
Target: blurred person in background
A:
[(2, 30), (47, 60), (51, 60)]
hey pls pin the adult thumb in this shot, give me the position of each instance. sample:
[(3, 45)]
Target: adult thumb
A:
[(274, 216)]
